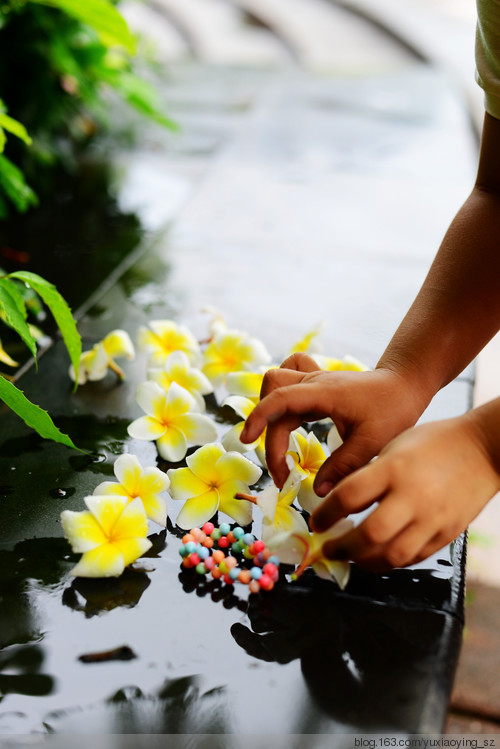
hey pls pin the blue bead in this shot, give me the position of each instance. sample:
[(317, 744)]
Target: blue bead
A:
[(274, 560), (248, 539), (224, 528), (202, 552), (190, 547), (238, 532), (256, 573), (183, 551), (233, 574)]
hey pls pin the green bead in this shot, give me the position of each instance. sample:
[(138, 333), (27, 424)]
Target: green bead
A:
[(201, 569)]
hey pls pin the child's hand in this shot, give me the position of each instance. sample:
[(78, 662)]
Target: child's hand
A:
[(368, 408), (430, 482)]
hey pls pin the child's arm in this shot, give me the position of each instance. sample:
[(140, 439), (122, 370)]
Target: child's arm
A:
[(454, 315)]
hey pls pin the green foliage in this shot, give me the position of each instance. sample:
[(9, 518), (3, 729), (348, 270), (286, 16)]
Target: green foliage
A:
[(60, 311), (34, 416), (57, 59), (13, 311)]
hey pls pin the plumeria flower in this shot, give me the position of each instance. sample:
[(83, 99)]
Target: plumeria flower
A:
[(111, 534), (306, 550), (247, 384), (309, 342), (217, 324), (177, 368), (276, 505), (231, 439), (162, 337), (348, 363), (171, 420), (210, 482), (232, 351), (6, 359), (136, 481), (307, 455), (94, 364)]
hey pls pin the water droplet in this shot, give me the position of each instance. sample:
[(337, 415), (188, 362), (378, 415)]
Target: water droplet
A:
[(59, 492)]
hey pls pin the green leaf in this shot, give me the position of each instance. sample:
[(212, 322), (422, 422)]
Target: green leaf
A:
[(14, 127), (60, 310), (15, 313), (3, 140), (34, 416), (13, 184), (102, 16), (140, 95)]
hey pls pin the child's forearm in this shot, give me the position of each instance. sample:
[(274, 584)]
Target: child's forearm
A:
[(457, 310)]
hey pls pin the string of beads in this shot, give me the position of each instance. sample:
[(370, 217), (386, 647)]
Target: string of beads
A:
[(204, 549)]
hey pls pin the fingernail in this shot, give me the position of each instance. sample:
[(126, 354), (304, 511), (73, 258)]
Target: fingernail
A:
[(324, 488)]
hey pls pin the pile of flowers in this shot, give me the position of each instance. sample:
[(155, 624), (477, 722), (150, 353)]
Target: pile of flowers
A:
[(219, 475)]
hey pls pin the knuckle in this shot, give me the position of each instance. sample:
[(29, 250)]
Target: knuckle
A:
[(397, 556), (377, 530)]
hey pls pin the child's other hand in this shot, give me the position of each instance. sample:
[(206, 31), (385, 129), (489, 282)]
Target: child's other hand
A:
[(429, 483)]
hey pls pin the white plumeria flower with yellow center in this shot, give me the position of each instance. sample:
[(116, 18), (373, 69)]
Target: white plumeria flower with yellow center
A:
[(217, 324), (309, 343), (209, 484), (247, 384), (136, 481), (232, 351), (231, 439), (163, 337), (171, 420), (306, 550), (307, 455), (110, 535), (94, 364), (276, 506), (177, 368), (347, 364)]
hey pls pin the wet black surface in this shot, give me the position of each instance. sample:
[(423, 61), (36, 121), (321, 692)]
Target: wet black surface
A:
[(305, 658)]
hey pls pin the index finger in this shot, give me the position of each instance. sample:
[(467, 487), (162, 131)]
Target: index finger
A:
[(291, 400)]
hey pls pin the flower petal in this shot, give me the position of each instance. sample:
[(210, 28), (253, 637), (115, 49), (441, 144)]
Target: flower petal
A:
[(127, 470), (133, 548), (333, 440), (328, 569), (235, 466), (231, 439), (105, 561), (155, 508), (112, 487), (106, 509), (198, 510), (172, 445), (238, 509), (82, 530), (242, 406), (197, 428), (95, 362), (184, 484), (152, 481), (267, 501), (178, 401), (146, 428), (152, 399), (203, 462), (132, 522), (118, 343)]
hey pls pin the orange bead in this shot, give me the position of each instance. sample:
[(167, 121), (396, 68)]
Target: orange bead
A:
[(207, 542), (231, 562), (244, 577), (216, 573), (254, 586), (218, 555), (187, 538), (197, 533), (230, 537)]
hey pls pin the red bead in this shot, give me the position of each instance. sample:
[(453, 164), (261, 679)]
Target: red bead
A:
[(228, 579), (258, 546), (265, 582), (194, 559), (271, 570), (208, 528), (223, 542)]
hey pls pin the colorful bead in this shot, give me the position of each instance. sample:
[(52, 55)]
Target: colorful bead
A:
[(196, 552)]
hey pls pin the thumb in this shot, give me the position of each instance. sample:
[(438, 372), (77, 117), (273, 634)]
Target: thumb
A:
[(355, 452)]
